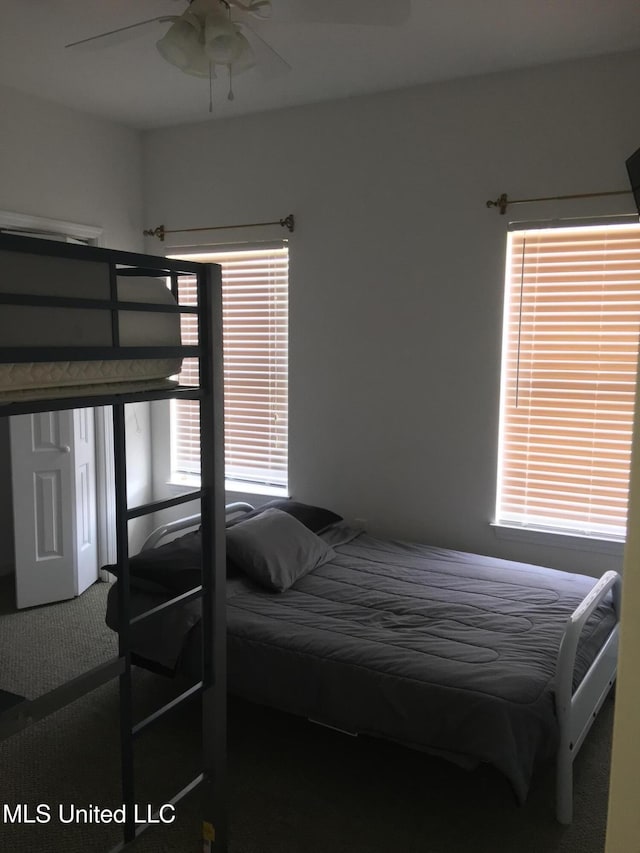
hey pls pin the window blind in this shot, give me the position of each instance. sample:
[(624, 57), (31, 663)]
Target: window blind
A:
[(570, 355), (255, 344)]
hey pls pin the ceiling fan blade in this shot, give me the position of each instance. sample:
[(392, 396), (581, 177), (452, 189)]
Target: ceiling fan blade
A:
[(269, 63), (361, 12), (120, 35)]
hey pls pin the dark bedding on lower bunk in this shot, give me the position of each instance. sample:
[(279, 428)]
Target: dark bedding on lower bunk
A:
[(445, 651)]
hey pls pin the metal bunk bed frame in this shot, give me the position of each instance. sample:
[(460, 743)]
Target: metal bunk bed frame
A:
[(212, 686)]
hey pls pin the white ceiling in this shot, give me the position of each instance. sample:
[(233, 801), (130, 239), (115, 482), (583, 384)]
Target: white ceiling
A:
[(443, 39)]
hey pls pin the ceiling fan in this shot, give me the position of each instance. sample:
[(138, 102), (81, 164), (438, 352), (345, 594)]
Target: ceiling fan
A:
[(230, 33)]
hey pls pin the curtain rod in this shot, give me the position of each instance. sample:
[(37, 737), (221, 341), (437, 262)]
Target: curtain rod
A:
[(161, 231), (503, 200)]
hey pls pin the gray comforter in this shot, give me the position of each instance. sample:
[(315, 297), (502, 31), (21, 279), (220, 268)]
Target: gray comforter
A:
[(445, 651)]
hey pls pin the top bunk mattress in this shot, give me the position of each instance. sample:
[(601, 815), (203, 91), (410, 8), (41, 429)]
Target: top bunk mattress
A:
[(46, 326)]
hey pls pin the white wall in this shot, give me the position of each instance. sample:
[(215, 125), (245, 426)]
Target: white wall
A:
[(60, 164), (623, 824), (397, 271)]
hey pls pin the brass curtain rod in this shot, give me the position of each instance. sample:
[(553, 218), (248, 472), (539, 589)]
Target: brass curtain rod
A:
[(160, 232), (503, 200)]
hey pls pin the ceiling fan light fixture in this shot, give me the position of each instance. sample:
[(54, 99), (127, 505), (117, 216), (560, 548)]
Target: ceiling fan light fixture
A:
[(181, 44), (222, 40), (205, 35), (200, 66), (246, 57)]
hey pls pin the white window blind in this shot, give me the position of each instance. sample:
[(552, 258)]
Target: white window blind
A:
[(255, 340), (570, 355)]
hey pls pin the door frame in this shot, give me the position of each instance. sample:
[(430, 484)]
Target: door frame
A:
[(41, 226)]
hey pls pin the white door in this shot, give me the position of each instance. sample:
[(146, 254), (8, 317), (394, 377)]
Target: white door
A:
[(84, 464), (53, 479)]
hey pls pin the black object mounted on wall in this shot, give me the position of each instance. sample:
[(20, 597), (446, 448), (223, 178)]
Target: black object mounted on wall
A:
[(633, 170)]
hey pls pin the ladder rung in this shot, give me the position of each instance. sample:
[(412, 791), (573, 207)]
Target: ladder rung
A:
[(190, 595), (140, 828), (152, 718), (156, 506)]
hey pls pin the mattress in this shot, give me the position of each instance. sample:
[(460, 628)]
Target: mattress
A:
[(33, 325), (445, 651)]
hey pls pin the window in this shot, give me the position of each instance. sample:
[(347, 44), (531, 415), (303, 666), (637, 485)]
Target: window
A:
[(570, 355), (255, 340)]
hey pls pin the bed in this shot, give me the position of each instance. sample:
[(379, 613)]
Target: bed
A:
[(81, 327), (66, 302), (469, 657)]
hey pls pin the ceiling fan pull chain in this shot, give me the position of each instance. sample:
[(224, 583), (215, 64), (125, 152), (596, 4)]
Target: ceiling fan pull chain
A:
[(230, 96), (210, 87)]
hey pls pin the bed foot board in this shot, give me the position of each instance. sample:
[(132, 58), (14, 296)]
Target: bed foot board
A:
[(577, 710), (576, 727)]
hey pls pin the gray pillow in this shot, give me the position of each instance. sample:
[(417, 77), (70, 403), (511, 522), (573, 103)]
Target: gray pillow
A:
[(274, 549)]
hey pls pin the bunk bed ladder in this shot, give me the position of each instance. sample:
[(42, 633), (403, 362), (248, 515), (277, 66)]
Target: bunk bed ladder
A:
[(212, 686)]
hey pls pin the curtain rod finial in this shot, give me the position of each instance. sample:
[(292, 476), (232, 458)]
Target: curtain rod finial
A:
[(501, 202), (158, 232), (288, 222)]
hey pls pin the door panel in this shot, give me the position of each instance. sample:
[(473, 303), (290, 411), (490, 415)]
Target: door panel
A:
[(53, 479), (47, 500), (85, 500), (42, 501)]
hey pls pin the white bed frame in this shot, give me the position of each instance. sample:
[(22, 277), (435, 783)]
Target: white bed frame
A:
[(576, 710)]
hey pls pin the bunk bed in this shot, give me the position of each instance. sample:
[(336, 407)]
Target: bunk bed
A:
[(472, 658), (83, 326)]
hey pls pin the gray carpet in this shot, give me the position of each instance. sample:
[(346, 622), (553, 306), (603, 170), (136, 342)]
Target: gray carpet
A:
[(293, 787)]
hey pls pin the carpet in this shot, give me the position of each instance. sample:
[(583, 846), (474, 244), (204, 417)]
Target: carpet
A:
[(294, 787)]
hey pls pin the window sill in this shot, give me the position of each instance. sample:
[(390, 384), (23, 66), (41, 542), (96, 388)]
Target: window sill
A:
[(255, 489), (558, 539), (184, 481), (190, 481)]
